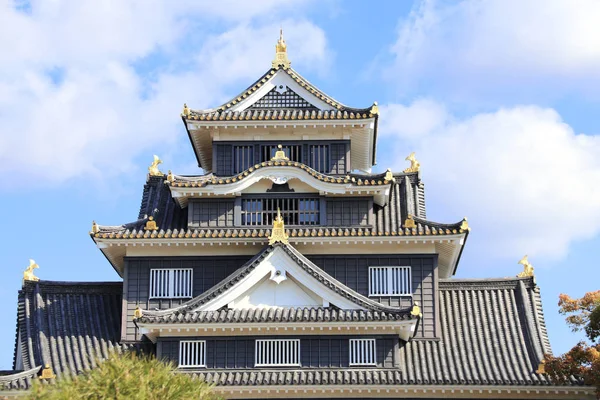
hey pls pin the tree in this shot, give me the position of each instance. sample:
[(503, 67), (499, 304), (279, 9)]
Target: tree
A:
[(126, 376), (583, 360)]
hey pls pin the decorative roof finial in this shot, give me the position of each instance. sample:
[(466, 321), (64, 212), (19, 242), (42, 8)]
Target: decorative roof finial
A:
[(153, 168), (278, 233), (170, 177), (280, 154), (137, 313), (527, 268), (186, 110), (415, 166), (389, 176), (95, 227), (409, 222), (464, 226), (374, 109), (416, 310), (28, 273), (281, 58), (151, 224), (47, 372)]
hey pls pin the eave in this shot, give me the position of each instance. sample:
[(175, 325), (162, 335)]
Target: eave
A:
[(404, 329), (448, 244), (362, 132), (182, 188), (395, 390)]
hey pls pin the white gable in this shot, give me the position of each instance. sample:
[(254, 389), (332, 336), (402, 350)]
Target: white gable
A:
[(281, 80), (269, 293), (260, 288)]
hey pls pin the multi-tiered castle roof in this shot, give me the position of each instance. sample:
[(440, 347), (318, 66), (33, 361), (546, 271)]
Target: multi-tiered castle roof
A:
[(287, 268)]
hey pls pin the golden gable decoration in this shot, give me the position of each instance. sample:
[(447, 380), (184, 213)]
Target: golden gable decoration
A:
[(278, 234)]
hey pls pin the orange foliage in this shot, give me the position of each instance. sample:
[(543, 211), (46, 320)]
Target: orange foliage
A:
[(582, 361)]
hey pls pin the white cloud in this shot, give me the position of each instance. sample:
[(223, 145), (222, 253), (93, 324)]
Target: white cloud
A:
[(528, 183), (500, 46), (72, 103)]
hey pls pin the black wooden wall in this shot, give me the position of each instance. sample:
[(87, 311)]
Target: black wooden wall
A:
[(339, 155), (226, 213), (351, 270), (315, 351)]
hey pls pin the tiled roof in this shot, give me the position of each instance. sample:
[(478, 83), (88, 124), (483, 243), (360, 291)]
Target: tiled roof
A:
[(275, 115), (493, 333), (17, 380), (65, 325), (301, 377), (221, 112), (390, 220), (320, 275), (317, 314), (211, 179)]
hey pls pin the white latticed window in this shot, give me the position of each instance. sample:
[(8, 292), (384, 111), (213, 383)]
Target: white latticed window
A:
[(389, 281), (192, 353), (362, 352), (171, 283), (277, 352)]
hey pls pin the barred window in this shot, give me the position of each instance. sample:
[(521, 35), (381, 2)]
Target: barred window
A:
[(294, 211), (362, 352), (390, 281), (292, 151), (171, 283), (192, 353), (277, 352), (243, 158), (318, 157)]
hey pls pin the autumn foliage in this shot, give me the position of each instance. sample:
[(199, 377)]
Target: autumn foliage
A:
[(583, 360)]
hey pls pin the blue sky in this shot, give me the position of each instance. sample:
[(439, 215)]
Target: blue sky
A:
[(499, 98)]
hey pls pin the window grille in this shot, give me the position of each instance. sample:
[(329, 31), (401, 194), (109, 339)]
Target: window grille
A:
[(287, 99), (292, 151), (277, 352), (171, 283), (319, 157), (390, 281), (294, 211), (362, 352), (243, 158), (192, 353)]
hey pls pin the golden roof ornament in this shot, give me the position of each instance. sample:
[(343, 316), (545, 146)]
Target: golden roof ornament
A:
[(541, 369), (389, 176), (410, 222), (280, 154), (416, 310), (153, 168), (415, 166), (170, 177), (137, 313), (186, 111), (151, 224), (464, 226), (28, 273), (47, 372), (281, 58), (278, 232), (95, 228), (527, 268), (375, 109)]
